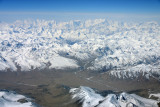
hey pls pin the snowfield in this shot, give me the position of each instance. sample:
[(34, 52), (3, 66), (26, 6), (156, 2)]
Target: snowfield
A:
[(127, 49), (11, 99), (89, 98)]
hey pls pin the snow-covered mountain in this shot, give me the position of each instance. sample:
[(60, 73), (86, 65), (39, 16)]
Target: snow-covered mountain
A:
[(12, 99), (89, 98), (126, 49)]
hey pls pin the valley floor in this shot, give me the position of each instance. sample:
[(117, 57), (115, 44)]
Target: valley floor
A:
[(51, 87)]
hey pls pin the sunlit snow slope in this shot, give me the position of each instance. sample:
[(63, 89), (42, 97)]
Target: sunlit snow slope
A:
[(12, 99), (127, 49), (89, 98)]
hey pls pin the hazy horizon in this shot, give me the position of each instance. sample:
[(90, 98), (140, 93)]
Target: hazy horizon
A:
[(65, 10)]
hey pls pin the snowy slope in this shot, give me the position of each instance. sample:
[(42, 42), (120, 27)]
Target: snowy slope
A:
[(157, 95), (89, 98), (126, 48), (11, 99)]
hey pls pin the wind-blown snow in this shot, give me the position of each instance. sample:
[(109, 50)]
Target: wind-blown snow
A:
[(89, 98), (11, 99), (126, 48)]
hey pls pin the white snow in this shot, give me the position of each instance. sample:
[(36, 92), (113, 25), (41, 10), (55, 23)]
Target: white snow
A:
[(132, 47), (134, 71), (61, 62), (86, 95), (10, 99), (155, 95), (90, 98)]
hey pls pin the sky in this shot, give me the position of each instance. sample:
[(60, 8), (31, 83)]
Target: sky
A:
[(21, 9)]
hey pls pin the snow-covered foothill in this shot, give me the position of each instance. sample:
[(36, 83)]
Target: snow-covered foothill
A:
[(12, 99), (89, 98), (157, 95)]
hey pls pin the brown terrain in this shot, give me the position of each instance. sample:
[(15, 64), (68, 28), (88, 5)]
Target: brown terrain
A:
[(50, 88)]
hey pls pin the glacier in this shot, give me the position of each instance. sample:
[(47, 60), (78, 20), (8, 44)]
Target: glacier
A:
[(89, 98), (125, 49)]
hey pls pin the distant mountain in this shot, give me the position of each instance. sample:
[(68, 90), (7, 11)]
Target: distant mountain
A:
[(125, 49)]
